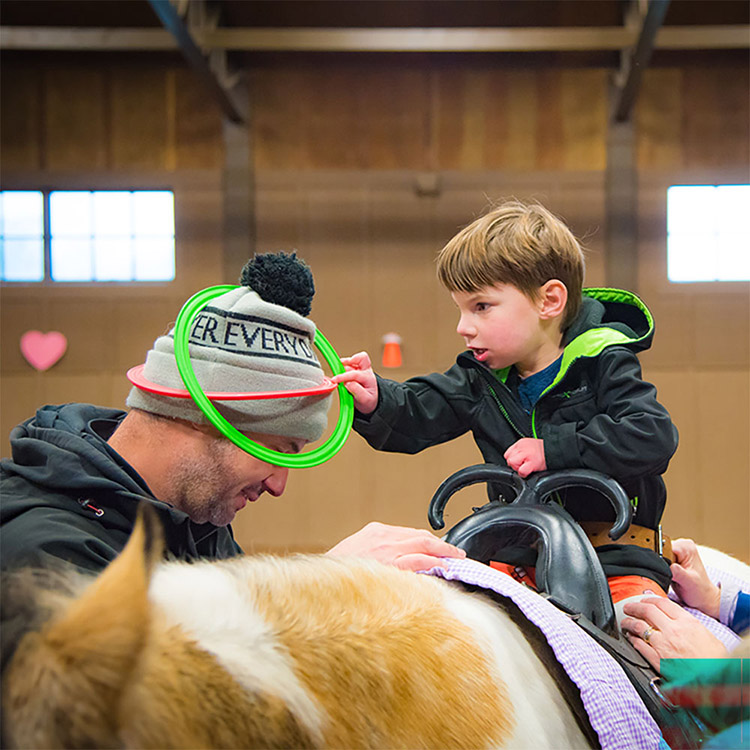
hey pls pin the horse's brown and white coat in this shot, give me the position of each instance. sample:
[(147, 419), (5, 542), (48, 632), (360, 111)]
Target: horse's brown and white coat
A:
[(270, 652)]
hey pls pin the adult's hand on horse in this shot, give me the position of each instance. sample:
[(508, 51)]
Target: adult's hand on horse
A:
[(660, 629), (690, 580), (406, 548)]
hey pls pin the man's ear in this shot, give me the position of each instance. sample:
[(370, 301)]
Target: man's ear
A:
[(553, 297)]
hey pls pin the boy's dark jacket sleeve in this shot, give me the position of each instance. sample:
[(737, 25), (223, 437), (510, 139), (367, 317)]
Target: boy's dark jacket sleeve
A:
[(418, 413)]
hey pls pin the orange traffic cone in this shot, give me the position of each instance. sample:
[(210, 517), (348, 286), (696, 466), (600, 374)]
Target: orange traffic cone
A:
[(391, 350)]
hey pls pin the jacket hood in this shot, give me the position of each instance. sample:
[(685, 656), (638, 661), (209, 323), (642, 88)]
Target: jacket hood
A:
[(610, 317), (63, 451), (59, 449), (68, 494)]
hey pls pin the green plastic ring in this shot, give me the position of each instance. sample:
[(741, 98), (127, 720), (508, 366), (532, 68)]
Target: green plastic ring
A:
[(315, 457)]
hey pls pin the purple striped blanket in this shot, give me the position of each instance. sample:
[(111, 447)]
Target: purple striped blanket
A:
[(615, 711)]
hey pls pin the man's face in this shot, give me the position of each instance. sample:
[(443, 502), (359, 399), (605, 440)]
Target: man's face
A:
[(214, 478)]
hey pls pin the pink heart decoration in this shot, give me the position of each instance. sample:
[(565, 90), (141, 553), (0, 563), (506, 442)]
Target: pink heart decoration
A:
[(42, 350)]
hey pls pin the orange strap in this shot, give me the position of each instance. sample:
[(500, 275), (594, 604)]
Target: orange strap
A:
[(621, 587)]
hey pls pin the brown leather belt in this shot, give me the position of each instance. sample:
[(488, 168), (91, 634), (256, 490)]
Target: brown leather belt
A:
[(641, 536)]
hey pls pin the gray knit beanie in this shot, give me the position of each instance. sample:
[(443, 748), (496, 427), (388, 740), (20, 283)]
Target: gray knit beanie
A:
[(253, 338)]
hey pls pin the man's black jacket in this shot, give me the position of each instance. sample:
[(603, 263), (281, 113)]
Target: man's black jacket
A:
[(66, 494)]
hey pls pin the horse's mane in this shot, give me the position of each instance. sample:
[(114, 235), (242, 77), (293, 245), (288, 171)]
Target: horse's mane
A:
[(30, 597)]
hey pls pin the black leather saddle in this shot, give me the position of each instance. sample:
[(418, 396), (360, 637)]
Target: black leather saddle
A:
[(567, 568), (568, 572)]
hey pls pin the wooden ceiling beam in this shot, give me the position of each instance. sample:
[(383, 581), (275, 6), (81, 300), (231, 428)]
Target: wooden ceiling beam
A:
[(568, 39), (648, 19), (58, 38), (210, 66)]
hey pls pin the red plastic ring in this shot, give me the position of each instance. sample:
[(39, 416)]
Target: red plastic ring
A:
[(136, 377)]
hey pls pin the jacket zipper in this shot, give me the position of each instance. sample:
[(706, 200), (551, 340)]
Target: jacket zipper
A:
[(490, 382), (557, 498), (504, 411), (486, 377), (547, 390)]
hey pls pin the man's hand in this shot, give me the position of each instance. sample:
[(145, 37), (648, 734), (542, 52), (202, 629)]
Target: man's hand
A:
[(408, 549), (359, 379), (670, 632), (526, 456), (690, 580)]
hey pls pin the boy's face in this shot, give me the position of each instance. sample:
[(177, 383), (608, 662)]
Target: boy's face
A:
[(501, 326)]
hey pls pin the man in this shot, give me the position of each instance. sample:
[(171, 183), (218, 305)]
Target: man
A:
[(78, 471)]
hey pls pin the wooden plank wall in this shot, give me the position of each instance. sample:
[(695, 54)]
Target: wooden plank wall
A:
[(424, 117), (343, 153), (106, 127), (328, 184), (693, 129)]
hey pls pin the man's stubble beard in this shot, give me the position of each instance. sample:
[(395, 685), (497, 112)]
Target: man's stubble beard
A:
[(205, 487)]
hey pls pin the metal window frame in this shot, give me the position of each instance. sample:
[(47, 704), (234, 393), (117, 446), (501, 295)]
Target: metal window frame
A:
[(47, 278)]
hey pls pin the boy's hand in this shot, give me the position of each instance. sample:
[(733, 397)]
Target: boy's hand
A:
[(526, 456), (360, 381), (690, 580)]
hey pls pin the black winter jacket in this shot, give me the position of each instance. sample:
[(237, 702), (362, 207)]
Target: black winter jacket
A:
[(597, 414), (66, 494)]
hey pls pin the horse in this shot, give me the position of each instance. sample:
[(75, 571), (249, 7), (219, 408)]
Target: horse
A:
[(306, 651)]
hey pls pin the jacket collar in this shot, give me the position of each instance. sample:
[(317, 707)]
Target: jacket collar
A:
[(608, 317)]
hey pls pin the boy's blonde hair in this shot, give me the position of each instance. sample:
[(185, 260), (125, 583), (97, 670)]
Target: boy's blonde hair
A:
[(521, 244)]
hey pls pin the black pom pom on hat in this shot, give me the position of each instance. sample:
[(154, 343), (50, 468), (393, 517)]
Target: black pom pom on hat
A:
[(281, 279)]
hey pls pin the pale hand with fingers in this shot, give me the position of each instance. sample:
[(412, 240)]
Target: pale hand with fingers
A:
[(403, 547), (359, 379), (660, 629), (690, 580)]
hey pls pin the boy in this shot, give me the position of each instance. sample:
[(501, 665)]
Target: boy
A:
[(550, 381)]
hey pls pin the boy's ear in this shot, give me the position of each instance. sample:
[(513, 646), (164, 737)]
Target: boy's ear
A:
[(553, 296)]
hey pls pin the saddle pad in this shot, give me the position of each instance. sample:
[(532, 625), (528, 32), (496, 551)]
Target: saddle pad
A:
[(615, 711)]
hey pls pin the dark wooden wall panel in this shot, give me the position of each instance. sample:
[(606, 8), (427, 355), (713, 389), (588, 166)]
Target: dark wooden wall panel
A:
[(140, 123), (197, 125), (75, 119), (473, 118), (548, 119), (22, 91), (395, 135), (343, 154), (694, 118), (659, 118), (584, 119)]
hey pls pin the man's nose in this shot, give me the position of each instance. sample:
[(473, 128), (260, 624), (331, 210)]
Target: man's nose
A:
[(275, 482)]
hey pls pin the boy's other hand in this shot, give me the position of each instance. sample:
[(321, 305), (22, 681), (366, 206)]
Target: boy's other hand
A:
[(526, 456), (359, 379), (690, 580), (406, 548)]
